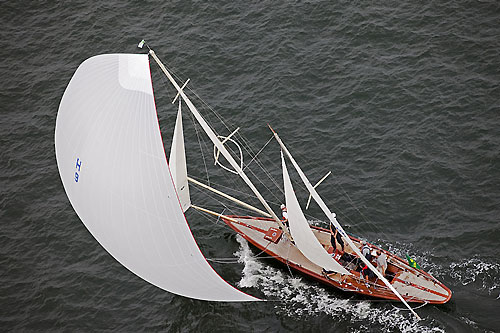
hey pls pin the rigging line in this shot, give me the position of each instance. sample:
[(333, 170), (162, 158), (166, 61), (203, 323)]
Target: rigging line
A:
[(230, 207), (248, 195), (233, 208), (310, 217), (246, 145), (260, 181), (263, 184), (288, 256), (416, 308), (229, 148), (226, 187), (272, 180), (317, 165), (234, 190), (217, 261), (268, 174), (247, 164), (249, 149), (191, 90), (198, 134), (209, 217), (338, 187), (218, 217), (171, 70), (206, 217), (201, 149), (225, 123), (256, 256), (267, 188), (166, 84)]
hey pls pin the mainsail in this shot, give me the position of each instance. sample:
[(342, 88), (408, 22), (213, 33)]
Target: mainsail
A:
[(301, 232), (113, 167), (217, 143)]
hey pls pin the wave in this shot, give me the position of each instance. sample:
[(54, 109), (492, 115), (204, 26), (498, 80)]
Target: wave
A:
[(479, 273), (299, 298)]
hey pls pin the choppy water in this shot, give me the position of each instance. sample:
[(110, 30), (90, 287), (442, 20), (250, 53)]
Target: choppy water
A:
[(400, 100)]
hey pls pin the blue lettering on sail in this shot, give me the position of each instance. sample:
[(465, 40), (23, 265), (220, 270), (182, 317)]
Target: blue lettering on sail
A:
[(78, 167)]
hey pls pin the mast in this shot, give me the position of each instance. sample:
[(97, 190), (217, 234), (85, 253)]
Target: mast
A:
[(331, 217), (218, 143)]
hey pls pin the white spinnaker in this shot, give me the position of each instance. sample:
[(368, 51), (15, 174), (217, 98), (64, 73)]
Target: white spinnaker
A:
[(301, 232), (107, 138), (178, 162)]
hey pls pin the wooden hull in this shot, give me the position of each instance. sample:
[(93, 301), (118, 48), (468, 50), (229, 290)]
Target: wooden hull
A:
[(413, 284)]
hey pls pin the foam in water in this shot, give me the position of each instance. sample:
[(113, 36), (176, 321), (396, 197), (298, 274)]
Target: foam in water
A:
[(303, 299), (476, 270), (479, 273)]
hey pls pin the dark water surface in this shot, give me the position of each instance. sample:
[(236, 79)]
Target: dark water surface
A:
[(401, 100)]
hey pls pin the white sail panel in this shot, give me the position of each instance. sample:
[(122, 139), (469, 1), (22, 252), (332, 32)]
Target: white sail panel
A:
[(331, 217), (113, 167), (301, 232), (178, 163)]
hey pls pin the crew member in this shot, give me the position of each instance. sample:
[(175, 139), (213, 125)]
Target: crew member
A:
[(336, 236), (284, 212), (381, 262), (365, 250)]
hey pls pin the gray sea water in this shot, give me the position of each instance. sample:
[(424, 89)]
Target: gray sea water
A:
[(400, 100)]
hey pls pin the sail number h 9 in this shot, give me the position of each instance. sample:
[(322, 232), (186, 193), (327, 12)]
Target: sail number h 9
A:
[(78, 166)]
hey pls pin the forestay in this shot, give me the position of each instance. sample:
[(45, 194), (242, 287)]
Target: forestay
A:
[(113, 167), (301, 232)]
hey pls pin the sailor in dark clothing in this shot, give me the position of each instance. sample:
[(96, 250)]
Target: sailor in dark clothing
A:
[(367, 273), (336, 236), (348, 259)]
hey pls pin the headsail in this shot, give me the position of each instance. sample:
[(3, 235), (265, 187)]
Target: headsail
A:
[(113, 167), (332, 218), (178, 163), (301, 232)]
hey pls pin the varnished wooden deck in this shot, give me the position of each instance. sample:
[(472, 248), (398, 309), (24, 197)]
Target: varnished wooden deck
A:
[(413, 284)]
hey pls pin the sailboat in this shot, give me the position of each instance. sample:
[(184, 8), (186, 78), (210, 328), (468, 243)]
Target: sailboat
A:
[(132, 199)]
